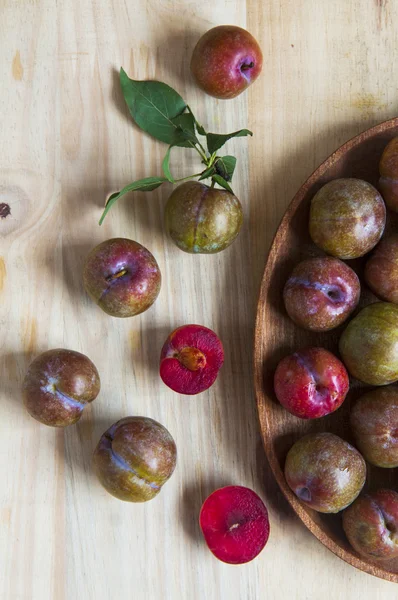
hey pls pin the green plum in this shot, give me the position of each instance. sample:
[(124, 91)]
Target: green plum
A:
[(201, 219), (347, 218), (369, 344)]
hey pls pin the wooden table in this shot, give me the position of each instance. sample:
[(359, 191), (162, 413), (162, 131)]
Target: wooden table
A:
[(66, 140)]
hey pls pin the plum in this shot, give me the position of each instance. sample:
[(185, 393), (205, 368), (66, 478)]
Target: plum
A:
[(134, 458), (235, 525), (122, 277), (347, 218), (321, 293), (201, 219), (381, 271), (388, 182), (325, 472), (371, 524), (374, 420), (311, 383), (190, 359), (369, 344), (58, 385), (225, 61)]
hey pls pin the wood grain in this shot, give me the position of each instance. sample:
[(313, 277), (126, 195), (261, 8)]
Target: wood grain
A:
[(276, 336), (66, 141)]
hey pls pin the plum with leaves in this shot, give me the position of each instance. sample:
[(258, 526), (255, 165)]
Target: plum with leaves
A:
[(162, 113), (201, 219)]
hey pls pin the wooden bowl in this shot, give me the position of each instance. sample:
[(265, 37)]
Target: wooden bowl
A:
[(276, 335)]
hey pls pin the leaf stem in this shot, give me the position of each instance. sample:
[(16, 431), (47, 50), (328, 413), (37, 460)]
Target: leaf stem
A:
[(188, 177), (213, 183), (202, 154)]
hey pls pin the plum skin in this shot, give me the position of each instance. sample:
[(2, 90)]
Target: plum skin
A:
[(371, 524), (374, 421), (388, 182), (58, 385), (190, 359), (122, 277), (134, 458), (368, 344), (225, 61), (321, 293), (311, 383), (202, 220), (381, 270), (325, 472), (347, 218)]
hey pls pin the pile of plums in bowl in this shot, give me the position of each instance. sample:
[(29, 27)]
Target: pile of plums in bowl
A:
[(347, 221)]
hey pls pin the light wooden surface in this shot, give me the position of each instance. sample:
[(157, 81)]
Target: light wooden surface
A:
[(65, 141)]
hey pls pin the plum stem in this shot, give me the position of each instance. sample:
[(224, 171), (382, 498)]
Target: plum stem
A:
[(246, 67), (117, 275)]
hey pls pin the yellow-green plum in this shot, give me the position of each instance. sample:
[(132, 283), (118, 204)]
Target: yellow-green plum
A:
[(201, 219), (347, 218), (325, 472), (58, 386), (388, 182), (374, 421), (134, 458), (369, 344), (371, 524)]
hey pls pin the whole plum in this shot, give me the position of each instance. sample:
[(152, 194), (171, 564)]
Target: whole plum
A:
[(388, 182), (321, 293), (203, 220), (371, 524), (134, 458), (226, 60), (374, 420), (58, 386), (369, 344), (381, 271), (122, 277), (311, 383), (325, 472), (347, 218)]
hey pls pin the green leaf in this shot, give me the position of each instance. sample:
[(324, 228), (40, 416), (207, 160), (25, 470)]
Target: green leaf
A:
[(142, 185), (153, 106), (199, 128), (221, 181), (216, 140), (186, 124), (166, 166), (207, 173), (225, 166)]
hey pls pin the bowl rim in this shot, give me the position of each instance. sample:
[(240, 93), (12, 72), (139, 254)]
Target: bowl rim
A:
[(262, 398)]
